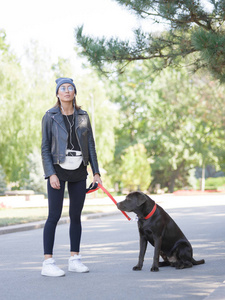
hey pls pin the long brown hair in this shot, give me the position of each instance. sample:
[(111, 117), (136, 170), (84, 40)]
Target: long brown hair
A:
[(77, 107)]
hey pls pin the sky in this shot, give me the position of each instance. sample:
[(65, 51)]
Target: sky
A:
[(51, 23)]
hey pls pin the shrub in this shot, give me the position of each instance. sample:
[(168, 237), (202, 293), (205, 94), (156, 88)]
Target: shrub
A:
[(213, 183), (36, 180), (3, 185)]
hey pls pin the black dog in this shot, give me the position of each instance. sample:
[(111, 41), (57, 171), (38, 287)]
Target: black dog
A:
[(158, 228)]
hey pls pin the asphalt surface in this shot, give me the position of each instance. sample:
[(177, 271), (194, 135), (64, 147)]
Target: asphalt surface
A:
[(109, 248)]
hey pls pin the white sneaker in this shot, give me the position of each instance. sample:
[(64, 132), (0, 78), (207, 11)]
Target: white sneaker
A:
[(75, 265), (49, 268)]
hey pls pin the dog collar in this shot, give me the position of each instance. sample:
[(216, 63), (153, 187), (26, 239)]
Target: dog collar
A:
[(151, 212)]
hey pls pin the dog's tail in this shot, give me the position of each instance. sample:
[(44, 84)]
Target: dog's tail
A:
[(197, 262)]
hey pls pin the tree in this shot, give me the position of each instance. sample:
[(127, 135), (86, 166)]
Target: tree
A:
[(26, 92), (3, 184), (186, 127), (92, 98), (24, 97), (135, 169), (179, 120), (62, 68), (11, 113), (35, 181), (193, 30)]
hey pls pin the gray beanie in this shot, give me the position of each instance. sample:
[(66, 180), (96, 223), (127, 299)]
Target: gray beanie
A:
[(63, 80)]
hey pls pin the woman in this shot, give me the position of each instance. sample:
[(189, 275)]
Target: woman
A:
[(67, 148)]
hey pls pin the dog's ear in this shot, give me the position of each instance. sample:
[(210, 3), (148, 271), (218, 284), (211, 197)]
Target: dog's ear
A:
[(141, 199)]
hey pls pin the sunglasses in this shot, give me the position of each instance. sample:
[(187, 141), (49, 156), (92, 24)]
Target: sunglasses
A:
[(64, 88)]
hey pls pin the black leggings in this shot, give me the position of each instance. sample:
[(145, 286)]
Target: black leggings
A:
[(77, 193)]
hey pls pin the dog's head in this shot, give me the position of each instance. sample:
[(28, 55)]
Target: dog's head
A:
[(133, 202)]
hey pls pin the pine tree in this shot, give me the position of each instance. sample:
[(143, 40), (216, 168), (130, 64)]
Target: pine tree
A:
[(194, 31)]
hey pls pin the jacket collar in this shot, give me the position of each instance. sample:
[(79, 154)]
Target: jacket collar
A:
[(58, 117), (56, 110)]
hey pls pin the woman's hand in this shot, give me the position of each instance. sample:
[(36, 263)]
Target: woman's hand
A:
[(97, 178), (54, 182)]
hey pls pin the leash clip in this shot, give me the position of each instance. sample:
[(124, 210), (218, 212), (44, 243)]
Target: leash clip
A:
[(135, 219)]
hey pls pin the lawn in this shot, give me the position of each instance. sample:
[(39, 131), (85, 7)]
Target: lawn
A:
[(13, 216)]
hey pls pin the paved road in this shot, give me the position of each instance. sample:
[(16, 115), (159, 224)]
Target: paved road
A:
[(110, 250)]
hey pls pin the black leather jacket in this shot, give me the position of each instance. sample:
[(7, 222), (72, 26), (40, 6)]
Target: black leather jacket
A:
[(55, 135)]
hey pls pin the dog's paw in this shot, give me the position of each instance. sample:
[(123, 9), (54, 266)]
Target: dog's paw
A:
[(137, 268), (154, 269)]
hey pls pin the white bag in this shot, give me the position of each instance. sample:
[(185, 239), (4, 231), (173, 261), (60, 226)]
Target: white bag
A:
[(73, 160)]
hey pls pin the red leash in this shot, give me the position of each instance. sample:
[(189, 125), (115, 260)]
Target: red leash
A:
[(111, 197), (98, 185)]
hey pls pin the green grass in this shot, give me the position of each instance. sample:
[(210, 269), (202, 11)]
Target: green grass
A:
[(13, 216)]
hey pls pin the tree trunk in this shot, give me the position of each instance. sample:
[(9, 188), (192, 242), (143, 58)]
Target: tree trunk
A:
[(172, 181), (174, 176), (203, 179)]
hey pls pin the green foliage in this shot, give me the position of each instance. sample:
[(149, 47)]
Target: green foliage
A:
[(149, 127), (211, 48), (92, 98), (25, 95), (62, 68), (179, 121), (212, 183), (192, 29), (22, 102), (4, 47), (135, 169), (35, 180), (186, 129), (101, 52), (3, 184)]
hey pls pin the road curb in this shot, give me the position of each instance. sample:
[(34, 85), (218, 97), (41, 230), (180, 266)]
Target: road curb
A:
[(40, 224)]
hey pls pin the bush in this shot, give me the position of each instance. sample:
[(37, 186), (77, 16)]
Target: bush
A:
[(213, 183), (3, 185), (36, 180)]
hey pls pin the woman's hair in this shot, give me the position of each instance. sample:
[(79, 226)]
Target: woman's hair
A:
[(77, 107)]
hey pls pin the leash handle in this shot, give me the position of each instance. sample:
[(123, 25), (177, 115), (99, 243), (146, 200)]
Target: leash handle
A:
[(111, 197), (92, 188)]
